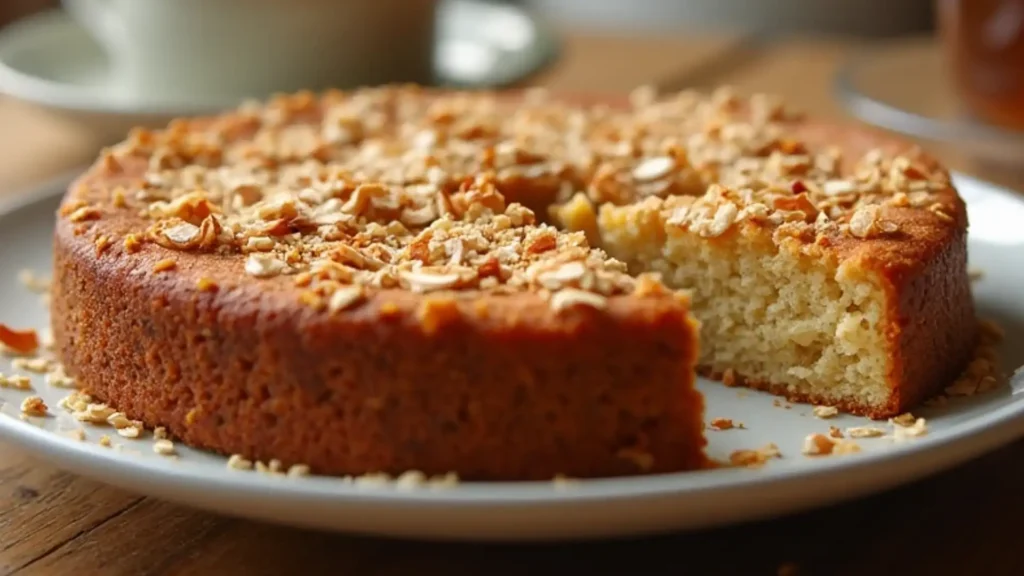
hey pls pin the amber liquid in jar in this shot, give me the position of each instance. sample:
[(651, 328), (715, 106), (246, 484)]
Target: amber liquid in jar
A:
[(984, 43)]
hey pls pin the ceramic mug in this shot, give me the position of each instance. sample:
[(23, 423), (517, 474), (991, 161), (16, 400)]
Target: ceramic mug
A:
[(177, 50)]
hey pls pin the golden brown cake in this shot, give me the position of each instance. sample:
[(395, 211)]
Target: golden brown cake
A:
[(360, 281), (271, 284)]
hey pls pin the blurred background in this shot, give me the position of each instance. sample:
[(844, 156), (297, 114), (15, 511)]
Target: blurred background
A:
[(948, 73), (861, 17)]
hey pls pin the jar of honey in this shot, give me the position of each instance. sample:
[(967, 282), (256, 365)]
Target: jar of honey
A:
[(984, 44)]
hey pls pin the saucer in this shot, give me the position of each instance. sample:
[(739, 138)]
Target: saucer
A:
[(49, 60), (872, 85)]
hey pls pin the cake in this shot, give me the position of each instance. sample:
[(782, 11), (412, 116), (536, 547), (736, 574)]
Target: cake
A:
[(508, 287)]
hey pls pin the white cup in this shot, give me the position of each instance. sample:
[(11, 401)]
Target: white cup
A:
[(227, 50)]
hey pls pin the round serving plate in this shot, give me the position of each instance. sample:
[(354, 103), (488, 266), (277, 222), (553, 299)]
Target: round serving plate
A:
[(957, 431)]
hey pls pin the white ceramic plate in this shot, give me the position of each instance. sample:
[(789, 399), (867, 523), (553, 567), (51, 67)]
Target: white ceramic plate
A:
[(957, 431)]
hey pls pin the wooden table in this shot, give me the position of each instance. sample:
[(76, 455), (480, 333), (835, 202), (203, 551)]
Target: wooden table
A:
[(959, 522)]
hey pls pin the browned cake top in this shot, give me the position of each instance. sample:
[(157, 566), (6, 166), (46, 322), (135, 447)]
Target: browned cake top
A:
[(400, 189)]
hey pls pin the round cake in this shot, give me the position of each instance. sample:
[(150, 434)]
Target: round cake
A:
[(502, 286)]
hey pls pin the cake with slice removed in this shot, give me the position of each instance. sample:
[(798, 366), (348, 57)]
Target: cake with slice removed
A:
[(359, 282)]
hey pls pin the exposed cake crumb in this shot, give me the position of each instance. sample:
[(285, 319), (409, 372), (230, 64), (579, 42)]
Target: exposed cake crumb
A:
[(975, 274), (845, 447), (835, 432), (34, 406), (160, 433), (825, 411), (105, 441)]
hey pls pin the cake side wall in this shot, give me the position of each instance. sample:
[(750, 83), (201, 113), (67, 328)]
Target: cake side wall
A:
[(607, 394), (933, 326)]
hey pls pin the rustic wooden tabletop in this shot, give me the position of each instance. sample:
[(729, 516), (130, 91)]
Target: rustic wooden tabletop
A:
[(959, 522)]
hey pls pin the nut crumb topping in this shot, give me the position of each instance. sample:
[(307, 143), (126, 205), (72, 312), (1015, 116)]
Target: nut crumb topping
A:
[(824, 412), (15, 381), (904, 420), (394, 188), (865, 432), (34, 406), (722, 424), (906, 431), (817, 445), (164, 447), (754, 458)]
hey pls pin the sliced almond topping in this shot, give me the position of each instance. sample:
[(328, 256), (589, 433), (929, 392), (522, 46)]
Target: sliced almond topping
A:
[(182, 234), (865, 432), (654, 168), (426, 282), (263, 266), (571, 298), (344, 298), (824, 412)]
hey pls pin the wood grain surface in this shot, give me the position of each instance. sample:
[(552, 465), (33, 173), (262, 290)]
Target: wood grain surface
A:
[(959, 522)]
